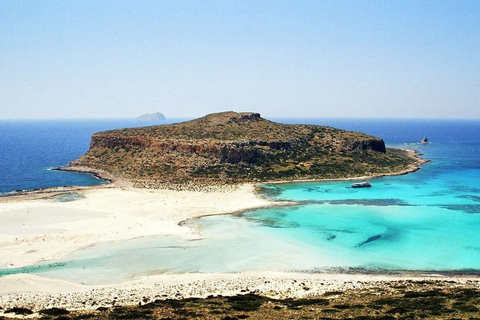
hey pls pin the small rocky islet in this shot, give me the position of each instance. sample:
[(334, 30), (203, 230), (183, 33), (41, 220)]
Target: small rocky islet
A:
[(230, 148), (156, 116)]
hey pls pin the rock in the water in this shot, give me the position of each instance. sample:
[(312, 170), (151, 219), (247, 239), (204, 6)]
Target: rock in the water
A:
[(424, 140), (152, 116)]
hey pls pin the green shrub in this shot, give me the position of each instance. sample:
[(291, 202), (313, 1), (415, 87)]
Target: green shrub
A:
[(19, 310), (54, 312)]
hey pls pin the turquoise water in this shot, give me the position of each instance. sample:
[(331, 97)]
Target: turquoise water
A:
[(427, 220)]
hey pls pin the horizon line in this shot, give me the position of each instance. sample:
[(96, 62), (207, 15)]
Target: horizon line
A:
[(268, 117)]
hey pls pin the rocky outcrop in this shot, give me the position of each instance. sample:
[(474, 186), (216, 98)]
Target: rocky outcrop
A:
[(236, 153), (375, 144), (236, 147), (244, 117)]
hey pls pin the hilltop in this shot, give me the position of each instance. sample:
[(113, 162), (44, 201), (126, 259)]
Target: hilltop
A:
[(232, 147)]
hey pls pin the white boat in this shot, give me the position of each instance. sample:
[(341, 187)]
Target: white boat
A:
[(364, 184)]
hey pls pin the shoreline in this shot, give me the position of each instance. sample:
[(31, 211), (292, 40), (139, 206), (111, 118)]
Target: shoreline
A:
[(42, 227), (114, 181)]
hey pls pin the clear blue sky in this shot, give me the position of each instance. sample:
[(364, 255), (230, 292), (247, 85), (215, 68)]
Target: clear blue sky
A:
[(96, 59)]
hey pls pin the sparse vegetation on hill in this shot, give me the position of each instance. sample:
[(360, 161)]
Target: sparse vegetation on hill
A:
[(234, 147)]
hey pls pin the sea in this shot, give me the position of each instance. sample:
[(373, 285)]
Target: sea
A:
[(426, 221), (31, 150)]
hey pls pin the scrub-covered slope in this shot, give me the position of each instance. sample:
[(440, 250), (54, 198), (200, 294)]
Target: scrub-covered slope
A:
[(232, 147)]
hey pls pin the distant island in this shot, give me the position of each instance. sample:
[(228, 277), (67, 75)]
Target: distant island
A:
[(157, 116), (231, 147)]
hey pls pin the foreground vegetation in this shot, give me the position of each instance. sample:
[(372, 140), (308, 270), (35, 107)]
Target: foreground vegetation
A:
[(397, 300)]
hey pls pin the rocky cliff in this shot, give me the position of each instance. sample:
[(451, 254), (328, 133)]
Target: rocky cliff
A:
[(232, 147)]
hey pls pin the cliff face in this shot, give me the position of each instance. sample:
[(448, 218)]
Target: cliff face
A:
[(236, 147)]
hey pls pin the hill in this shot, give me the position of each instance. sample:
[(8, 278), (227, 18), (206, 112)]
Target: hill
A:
[(232, 147)]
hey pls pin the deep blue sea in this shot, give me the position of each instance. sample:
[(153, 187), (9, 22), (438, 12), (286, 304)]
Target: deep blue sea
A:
[(427, 220), (29, 149)]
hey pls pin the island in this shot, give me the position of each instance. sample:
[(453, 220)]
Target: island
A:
[(233, 148), (157, 116)]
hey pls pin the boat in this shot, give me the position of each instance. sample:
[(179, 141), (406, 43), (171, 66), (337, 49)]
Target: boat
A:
[(364, 184)]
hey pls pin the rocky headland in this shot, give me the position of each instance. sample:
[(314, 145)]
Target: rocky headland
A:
[(231, 148)]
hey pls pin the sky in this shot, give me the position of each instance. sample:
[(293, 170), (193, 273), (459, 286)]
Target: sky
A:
[(332, 59)]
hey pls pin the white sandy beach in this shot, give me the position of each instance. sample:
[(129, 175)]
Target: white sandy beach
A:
[(40, 230), (45, 229)]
